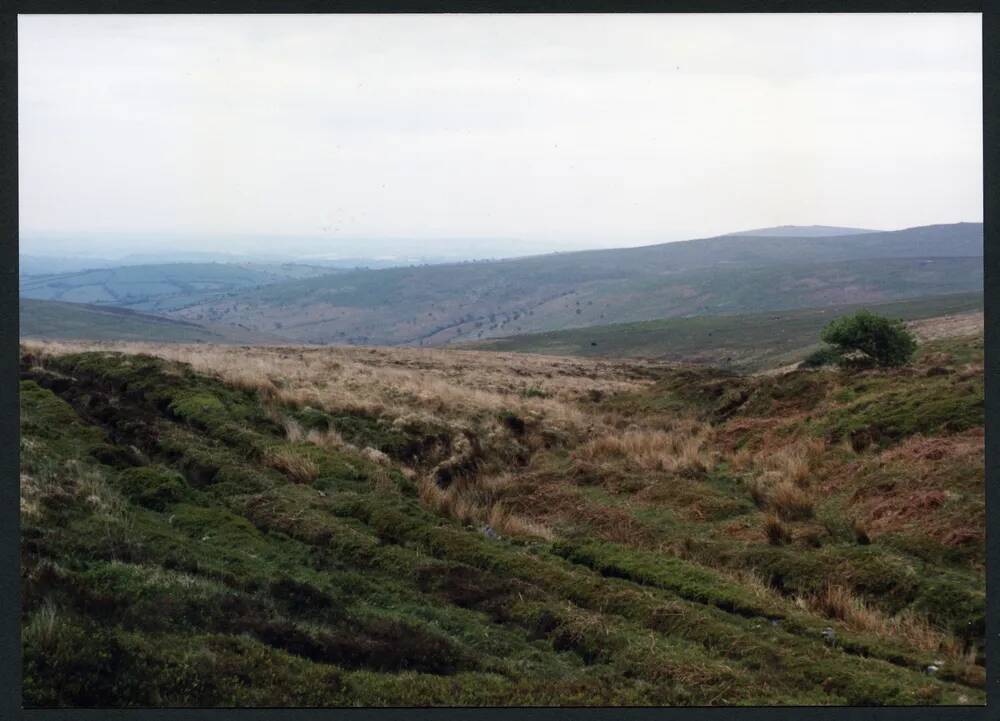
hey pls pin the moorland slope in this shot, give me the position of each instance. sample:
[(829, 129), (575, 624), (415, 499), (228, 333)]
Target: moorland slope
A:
[(208, 525), (739, 342)]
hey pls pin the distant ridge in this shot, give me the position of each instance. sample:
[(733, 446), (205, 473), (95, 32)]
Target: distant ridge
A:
[(456, 303), (803, 231), (52, 319)]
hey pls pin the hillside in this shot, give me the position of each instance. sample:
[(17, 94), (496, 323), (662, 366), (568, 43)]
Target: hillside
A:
[(159, 287), (364, 526), (440, 304), (68, 321), (740, 342)]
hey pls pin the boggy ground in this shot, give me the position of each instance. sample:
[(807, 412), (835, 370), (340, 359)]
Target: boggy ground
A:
[(310, 527)]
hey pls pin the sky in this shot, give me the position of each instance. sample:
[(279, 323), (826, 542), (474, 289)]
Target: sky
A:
[(488, 135)]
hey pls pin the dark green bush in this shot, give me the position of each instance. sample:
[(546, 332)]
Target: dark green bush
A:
[(886, 342)]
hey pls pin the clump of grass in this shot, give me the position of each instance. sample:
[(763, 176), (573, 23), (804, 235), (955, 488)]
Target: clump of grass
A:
[(790, 502), (841, 604), (508, 523), (684, 448), (376, 456), (43, 626), (792, 462), (293, 430), (298, 467), (784, 498), (31, 493), (774, 529), (329, 438), (476, 502)]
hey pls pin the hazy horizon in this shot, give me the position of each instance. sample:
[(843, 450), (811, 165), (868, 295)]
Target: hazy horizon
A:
[(487, 135)]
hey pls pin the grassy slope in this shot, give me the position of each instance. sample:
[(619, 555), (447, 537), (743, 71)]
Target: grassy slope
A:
[(435, 305), (744, 342), (184, 545), (57, 320)]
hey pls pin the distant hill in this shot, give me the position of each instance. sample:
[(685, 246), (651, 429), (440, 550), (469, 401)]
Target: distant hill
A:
[(159, 287), (462, 302), (804, 231), (57, 320), (741, 342)]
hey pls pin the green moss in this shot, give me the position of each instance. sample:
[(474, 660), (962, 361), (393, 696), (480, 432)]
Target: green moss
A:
[(154, 487), (884, 578), (684, 578), (925, 405), (46, 417), (201, 408), (955, 603)]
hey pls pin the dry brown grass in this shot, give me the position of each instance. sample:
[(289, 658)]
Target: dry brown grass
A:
[(791, 462), (293, 464), (31, 494), (293, 430), (329, 438), (775, 531), (478, 502), (929, 485), (790, 502), (448, 383), (840, 604), (685, 448)]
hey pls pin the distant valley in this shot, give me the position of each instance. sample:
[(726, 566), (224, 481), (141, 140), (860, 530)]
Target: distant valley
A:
[(751, 272), (443, 304)]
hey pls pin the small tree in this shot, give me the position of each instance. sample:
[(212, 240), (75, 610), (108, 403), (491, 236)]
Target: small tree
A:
[(882, 341)]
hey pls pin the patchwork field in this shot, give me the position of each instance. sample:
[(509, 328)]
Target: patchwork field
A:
[(208, 525)]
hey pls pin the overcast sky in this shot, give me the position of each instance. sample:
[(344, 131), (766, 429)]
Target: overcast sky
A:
[(557, 131)]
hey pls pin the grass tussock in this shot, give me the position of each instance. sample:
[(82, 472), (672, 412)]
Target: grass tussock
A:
[(684, 449), (479, 504), (298, 467), (774, 529), (786, 500), (790, 461), (839, 603)]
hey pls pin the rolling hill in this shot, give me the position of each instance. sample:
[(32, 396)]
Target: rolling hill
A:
[(159, 287), (739, 342), (53, 319), (804, 231), (441, 304)]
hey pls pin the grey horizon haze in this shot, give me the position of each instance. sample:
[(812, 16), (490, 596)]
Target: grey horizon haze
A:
[(488, 134)]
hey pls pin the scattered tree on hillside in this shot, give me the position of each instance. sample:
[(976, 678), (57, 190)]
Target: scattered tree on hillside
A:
[(869, 339)]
